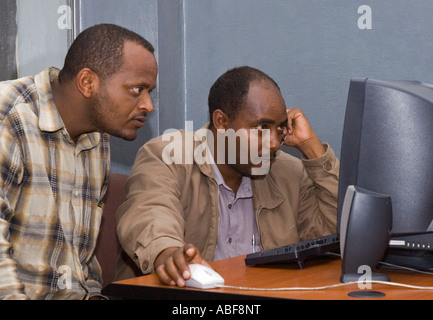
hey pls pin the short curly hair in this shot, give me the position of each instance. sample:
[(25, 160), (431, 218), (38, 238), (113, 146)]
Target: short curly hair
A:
[(229, 91), (99, 48)]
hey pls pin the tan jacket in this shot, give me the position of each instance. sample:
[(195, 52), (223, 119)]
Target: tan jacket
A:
[(170, 205)]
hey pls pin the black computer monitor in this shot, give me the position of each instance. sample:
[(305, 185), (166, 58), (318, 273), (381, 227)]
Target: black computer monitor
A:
[(387, 147)]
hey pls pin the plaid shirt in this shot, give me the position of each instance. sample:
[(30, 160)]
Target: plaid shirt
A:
[(51, 186)]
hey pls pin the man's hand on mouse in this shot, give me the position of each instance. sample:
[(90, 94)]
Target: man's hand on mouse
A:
[(172, 264)]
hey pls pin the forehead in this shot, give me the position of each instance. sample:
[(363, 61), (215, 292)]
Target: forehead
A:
[(139, 64), (264, 101)]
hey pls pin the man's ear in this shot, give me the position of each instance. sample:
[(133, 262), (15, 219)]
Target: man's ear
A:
[(87, 82), (220, 119)]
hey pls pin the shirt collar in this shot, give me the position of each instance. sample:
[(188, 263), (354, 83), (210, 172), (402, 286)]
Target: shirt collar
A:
[(49, 117), (245, 189)]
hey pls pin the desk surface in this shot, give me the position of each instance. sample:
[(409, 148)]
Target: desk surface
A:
[(316, 273)]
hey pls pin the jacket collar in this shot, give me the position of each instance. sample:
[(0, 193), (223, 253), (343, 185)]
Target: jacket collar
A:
[(266, 193), (205, 167)]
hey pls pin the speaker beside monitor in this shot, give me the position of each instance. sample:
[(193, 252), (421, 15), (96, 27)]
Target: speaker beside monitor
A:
[(366, 221)]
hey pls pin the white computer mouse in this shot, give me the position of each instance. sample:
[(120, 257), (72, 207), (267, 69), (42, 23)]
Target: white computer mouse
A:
[(203, 277)]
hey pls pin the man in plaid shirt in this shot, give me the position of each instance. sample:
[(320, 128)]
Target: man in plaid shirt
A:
[(55, 158)]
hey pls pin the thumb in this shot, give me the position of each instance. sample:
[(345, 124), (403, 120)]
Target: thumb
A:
[(193, 255)]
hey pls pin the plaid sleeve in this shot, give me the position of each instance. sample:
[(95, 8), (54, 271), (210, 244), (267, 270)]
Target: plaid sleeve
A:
[(11, 170)]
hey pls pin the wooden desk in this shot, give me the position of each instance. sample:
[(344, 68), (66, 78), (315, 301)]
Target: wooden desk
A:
[(316, 273)]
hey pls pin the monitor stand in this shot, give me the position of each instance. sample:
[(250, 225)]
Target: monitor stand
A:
[(358, 277)]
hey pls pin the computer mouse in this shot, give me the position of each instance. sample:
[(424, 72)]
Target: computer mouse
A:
[(203, 277)]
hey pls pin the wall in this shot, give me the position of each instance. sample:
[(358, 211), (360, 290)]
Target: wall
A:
[(8, 32), (312, 48), (42, 40)]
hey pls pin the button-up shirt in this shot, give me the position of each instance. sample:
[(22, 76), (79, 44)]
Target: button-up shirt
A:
[(50, 195), (237, 228)]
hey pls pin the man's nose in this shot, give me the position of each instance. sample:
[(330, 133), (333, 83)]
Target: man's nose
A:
[(146, 103), (275, 142)]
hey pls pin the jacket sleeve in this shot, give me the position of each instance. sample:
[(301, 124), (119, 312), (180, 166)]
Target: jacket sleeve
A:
[(150, 220), (317, 213)]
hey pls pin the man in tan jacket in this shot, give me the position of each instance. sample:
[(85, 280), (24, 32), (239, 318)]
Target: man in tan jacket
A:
[(192, 197)]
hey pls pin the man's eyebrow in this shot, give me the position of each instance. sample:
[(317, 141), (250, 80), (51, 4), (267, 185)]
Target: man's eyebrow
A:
[(137, 81), (284, 122), (265, 120), (142, 84), (270, 121)]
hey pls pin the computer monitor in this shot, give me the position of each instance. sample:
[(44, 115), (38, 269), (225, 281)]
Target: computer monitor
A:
[(387, 147)]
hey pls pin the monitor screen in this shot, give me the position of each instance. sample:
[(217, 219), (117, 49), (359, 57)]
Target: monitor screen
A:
[(387, 147)]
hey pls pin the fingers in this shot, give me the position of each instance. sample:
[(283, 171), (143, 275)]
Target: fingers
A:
[(301, 135), (293, 115), (289, 121), (174, 269), (164, 277), (298, 127)]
